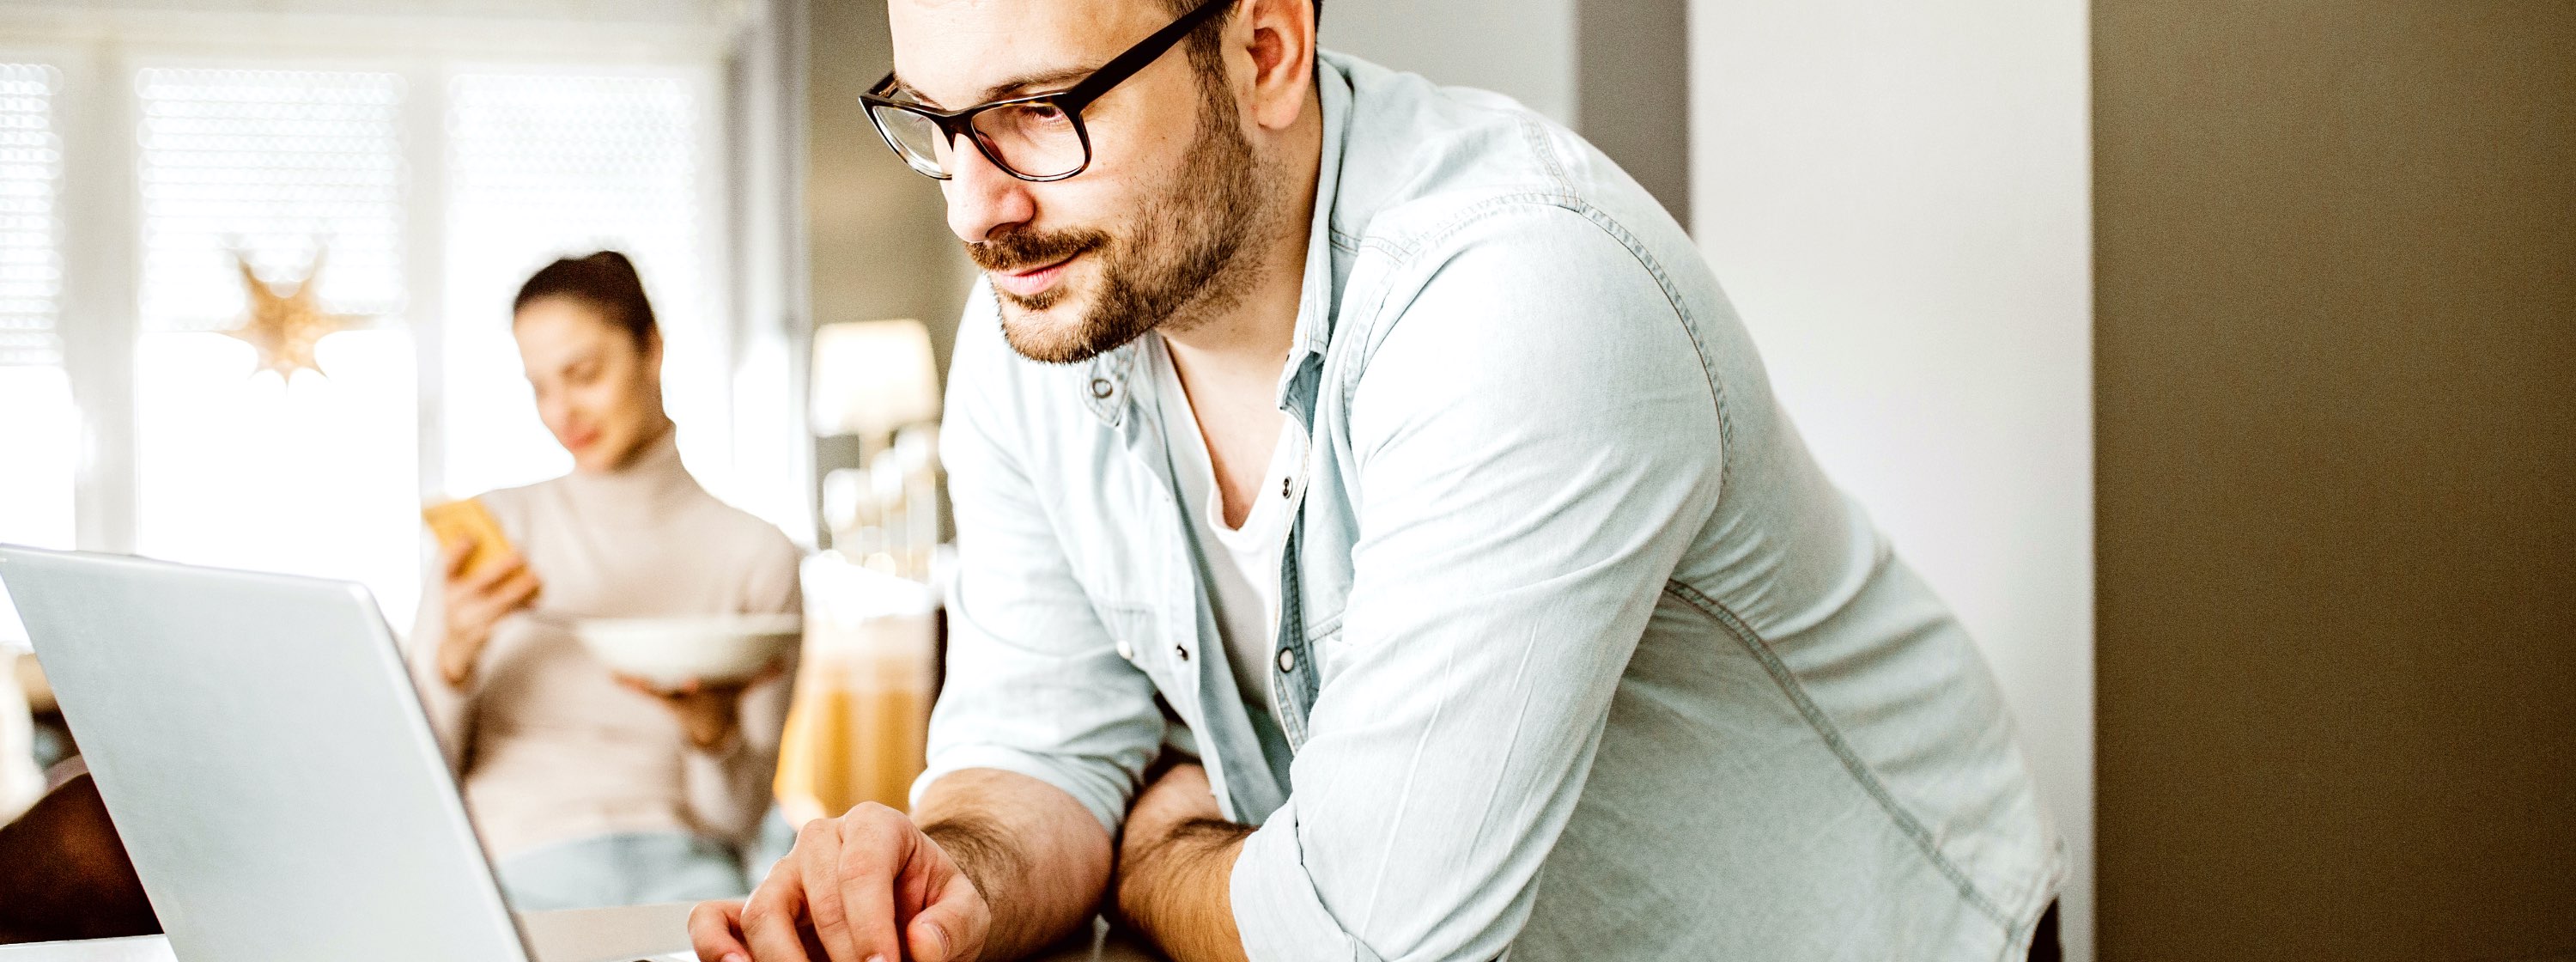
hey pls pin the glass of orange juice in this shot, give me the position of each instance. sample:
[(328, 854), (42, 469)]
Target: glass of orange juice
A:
[(860, 723)]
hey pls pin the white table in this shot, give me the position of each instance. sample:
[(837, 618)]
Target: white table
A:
[(584, 935)]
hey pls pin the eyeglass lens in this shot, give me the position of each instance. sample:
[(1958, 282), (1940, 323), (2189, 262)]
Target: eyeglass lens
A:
[(1033, 139)]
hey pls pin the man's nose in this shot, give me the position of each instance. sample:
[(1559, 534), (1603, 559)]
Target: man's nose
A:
[(981, 196)]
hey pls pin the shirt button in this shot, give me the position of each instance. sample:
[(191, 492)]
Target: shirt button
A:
[(1100, 387), (1284, 484), (1287, 660), (1181, 651), (1126, 651)]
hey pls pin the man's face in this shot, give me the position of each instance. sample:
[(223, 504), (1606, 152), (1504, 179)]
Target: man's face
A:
[(1144, 236)]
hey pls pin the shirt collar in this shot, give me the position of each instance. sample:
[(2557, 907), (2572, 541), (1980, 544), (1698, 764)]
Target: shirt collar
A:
[(1315, 301), (1105, 382)]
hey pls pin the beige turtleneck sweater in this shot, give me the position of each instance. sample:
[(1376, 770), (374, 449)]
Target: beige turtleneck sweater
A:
[(548, 746)]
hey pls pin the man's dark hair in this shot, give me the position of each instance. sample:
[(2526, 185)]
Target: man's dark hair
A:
[(1203, 41), (606, 281), (1179, 7)]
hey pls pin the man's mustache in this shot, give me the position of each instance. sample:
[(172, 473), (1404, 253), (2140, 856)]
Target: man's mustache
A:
[(1021, 250)]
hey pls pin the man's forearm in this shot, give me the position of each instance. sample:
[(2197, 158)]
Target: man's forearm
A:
[(1177, 884), (1176, 868), (1036, 855)]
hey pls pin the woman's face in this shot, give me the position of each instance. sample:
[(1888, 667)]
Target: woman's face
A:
[(598, 392)]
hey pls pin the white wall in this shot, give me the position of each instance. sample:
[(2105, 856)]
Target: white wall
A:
[(1521, 48), (1897, 197)]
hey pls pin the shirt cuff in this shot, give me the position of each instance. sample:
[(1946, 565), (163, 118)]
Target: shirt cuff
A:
[(1276, 908), (1102, 787)]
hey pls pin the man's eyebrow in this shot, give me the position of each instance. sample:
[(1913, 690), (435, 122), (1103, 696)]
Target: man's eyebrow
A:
[(1013, 87)]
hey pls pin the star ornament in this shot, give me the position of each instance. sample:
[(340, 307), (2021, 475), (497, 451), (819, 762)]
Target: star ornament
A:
[(284, 328)]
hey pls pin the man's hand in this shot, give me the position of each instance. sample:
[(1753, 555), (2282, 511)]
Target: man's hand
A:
[(1000, 864), (1176, 868), (866, 887), (475, 603)]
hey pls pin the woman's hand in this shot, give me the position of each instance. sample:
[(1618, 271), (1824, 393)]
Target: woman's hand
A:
[(475, 603), (708, 713)]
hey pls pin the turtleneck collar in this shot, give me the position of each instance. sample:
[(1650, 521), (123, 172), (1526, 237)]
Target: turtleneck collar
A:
[(649, 485)]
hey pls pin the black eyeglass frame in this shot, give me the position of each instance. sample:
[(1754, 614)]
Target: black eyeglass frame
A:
[(1072, 100)]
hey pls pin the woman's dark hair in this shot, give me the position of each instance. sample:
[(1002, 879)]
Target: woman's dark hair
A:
[(606, 281)]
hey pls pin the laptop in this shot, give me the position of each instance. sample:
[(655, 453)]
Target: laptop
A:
[(260, 747)]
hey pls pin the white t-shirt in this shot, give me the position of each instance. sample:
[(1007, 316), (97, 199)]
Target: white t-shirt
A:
[(1241, 565)]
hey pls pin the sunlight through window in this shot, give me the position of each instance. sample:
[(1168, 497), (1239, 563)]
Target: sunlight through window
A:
[(316, 474)]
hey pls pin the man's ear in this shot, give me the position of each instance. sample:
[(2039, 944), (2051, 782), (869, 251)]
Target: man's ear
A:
[(1277, 39)]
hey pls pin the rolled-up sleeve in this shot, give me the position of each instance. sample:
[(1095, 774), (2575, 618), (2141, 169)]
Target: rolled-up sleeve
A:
[(1035, 684), (1536, 444)]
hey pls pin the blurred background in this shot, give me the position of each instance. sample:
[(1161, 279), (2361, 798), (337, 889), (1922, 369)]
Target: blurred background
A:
[(2212, 359)]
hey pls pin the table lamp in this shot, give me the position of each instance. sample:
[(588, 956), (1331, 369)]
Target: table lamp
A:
[(872, 378), (877, 380), (856, 730)]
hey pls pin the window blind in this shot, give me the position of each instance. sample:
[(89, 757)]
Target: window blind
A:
[(31, 164), (276, 164), (543, 165)]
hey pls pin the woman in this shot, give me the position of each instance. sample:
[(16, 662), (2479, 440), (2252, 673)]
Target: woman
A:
[(590, 789), (20, 782)]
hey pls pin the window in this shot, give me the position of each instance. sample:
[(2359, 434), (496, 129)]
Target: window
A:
[(426, 187), (276, 164), (310, 475), (31, 162), (545, 165), (39, 432)]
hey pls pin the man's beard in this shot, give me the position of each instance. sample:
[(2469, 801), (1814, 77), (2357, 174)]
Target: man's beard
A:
[(1175, 257)]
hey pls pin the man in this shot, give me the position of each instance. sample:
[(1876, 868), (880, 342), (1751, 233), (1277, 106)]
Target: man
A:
[(1389, 452)]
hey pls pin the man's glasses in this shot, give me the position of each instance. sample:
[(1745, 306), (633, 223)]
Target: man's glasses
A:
[(1039, 137)]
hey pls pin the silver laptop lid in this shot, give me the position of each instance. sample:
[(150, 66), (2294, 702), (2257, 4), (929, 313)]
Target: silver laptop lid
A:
[(261, 750)]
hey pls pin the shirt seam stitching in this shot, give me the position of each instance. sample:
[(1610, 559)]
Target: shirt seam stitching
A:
[(1369, 339), (1369, 342), (1814, 715), (1537, 138)]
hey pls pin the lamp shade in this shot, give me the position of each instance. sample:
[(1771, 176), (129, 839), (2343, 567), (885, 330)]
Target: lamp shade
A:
[(872, 377)]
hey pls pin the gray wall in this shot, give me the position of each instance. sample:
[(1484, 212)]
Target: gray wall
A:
[(1618, 71), (1632, 92), (878, 235), (1524, 49), (2336, 370)]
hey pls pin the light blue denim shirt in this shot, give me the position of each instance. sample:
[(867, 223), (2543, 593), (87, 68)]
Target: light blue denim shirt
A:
[(1581, 656)]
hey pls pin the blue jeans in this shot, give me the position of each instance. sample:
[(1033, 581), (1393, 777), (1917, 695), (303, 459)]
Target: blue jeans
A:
[(639, 868)]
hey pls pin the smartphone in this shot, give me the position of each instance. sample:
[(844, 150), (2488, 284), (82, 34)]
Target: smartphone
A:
[(468, 523)]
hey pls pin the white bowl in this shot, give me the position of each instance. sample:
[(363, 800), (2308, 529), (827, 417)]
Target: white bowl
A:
[(671, 652)]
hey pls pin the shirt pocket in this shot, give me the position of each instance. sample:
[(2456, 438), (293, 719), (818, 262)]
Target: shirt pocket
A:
[(1138, 634)]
